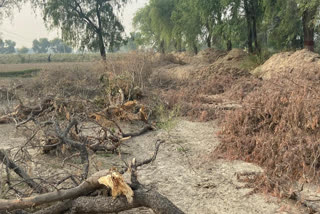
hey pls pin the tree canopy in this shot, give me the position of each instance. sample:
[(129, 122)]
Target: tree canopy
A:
[(7, 47), (41, 46), (257, 25), (91, 24)]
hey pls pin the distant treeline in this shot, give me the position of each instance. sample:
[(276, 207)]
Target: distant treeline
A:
[(42, 45)]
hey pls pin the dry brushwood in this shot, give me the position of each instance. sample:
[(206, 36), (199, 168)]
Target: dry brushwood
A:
[(278, 129), (22, 112), (19, 171), (78, 199)]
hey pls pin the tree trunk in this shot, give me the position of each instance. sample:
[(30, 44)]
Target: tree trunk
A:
[(229, 45), (162, 49), (308, 28), (254, 26), (195, 49), (209, 35), (99, 32), (209, 40), (248, 17), (102, 47)]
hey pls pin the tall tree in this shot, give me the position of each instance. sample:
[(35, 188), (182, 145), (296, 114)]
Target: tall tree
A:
[(58, 46), (188, 23), (7, 47), (155, 24), (7, 6), (309, 9), (91, 24), (23, 50), (41, 46)]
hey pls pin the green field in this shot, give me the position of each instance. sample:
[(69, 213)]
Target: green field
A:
[(23, 73), (43, 58)]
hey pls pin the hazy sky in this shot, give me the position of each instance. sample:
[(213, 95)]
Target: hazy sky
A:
[(26, 26)]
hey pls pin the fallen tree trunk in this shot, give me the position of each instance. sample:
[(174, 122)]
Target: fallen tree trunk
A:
[(142, 198), (84, 188), (100, 204)]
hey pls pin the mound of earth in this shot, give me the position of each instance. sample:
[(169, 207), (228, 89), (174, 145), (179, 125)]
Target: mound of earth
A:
[(302, 61), (229, 64)]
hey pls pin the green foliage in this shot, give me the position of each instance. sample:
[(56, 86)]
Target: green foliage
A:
[(155, 24), (24, 73), (253, 24), (90, 24), (166, 119), (23, 50), (41, 46), (7, 6), (7, 47), (43, 58), (58, 46)]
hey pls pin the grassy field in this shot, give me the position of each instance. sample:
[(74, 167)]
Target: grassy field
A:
[(23, 73), (43, 58)]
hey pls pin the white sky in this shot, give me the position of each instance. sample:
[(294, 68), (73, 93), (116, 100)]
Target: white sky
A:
[(27, 26)]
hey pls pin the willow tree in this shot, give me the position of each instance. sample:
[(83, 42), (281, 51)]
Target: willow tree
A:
[(187, 21), (91, 24), (7, 6), (155, 24)]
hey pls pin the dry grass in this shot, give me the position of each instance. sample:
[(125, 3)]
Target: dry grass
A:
[(278, 129), (223, 78)]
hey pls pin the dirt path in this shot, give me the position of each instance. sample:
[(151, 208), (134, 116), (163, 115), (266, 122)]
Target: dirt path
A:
[(182, 173)]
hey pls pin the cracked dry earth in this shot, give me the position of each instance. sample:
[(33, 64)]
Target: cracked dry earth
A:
[(183, 173)]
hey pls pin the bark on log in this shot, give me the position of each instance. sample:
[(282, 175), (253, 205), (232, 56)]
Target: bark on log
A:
[(142, 198), (84, 188), (100, 204)]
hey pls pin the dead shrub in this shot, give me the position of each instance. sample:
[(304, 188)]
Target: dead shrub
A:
[(223, 76), (71, 81), (278, 129), (127, 74)]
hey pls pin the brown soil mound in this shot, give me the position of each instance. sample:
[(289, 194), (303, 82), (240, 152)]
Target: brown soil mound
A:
[(199, 96), (289, 62), (221, 74), (278, 125)]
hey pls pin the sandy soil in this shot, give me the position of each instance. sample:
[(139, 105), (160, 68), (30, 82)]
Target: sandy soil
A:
[(183, 173)]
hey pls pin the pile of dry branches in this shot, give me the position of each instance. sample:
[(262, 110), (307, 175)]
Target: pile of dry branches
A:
[(278, 129)]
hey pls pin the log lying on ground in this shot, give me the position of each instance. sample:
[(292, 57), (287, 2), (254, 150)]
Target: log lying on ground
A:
[(81, 204), (78, 199)]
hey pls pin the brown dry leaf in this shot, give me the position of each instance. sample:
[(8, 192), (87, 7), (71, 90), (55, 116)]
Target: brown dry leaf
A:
[(116, 182), (143, 115), (130, 105), (101, 120), (67, 115)]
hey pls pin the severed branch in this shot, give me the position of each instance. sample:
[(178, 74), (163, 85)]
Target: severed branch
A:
[(141, 132), (81, 147), (76, 200), (27, 179), (26, 113)]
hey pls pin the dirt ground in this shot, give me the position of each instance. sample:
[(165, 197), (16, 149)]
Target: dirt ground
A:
[(184, 173)]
